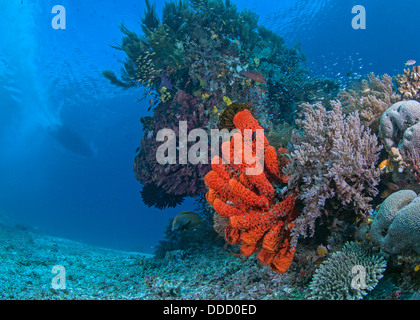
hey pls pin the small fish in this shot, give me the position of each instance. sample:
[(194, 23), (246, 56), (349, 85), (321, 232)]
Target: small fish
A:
[(349, 74), (384, 164), (215, 109), (366, 90), (214, 36), (410, 62), (385, 194), (322, 250), (227, 100), (392, 186), (253, 75), (417, 268), (138, 149), (186, 220), (257, 62)]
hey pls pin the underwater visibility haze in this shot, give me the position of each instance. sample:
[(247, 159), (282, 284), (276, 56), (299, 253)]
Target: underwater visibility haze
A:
[(107, 110)]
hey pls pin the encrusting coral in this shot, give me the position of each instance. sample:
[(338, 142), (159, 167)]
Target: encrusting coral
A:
[(334, 279), (259, 219), (334, 157)]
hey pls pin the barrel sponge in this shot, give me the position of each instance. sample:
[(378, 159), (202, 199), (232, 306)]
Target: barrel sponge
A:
[(404, 232), (396, 120), (396, 227)]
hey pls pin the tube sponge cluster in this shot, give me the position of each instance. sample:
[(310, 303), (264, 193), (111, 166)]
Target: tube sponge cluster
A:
[(259, 219)]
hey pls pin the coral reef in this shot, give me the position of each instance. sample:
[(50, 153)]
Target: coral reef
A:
[(259, 219), (154, 196), (175, 180), (334, 157), (396, 227), (280, 135), (212, 54), (396, 120), (333, 280), (192, 240), (400, 132), (409, 84), (371, 97), (227, 115)]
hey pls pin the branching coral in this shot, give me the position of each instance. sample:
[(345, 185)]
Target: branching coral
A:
[(370, 97), (336, 278), (280, 135), (409, 83), (334, 156), (258, 218)]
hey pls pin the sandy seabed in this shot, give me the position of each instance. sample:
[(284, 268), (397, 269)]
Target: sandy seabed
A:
[(88, 272), (28, 259)]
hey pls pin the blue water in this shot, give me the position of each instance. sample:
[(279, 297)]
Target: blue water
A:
[(68, 137)]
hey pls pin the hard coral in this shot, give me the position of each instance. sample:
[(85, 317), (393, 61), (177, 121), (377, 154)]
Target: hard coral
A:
[(396, 120), (396, 227), (400, 131), (409, 84), (334, 157), (258, 219), (334, 279), (203, 53), (370, 97), (173, 179)]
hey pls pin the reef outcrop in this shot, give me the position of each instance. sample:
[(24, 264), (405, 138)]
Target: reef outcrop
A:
[(260, 219)]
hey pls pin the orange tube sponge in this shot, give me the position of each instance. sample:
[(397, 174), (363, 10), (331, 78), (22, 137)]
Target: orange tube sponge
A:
[(215, 182), (259, 219), (281, 262), (211, 195), (244, 120), (247, 197), (272, 239), (224, 209), (248, 250), (264, 186), (232, 235), (220, 168)]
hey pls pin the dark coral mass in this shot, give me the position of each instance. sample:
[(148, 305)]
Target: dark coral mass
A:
[(193, 63)]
